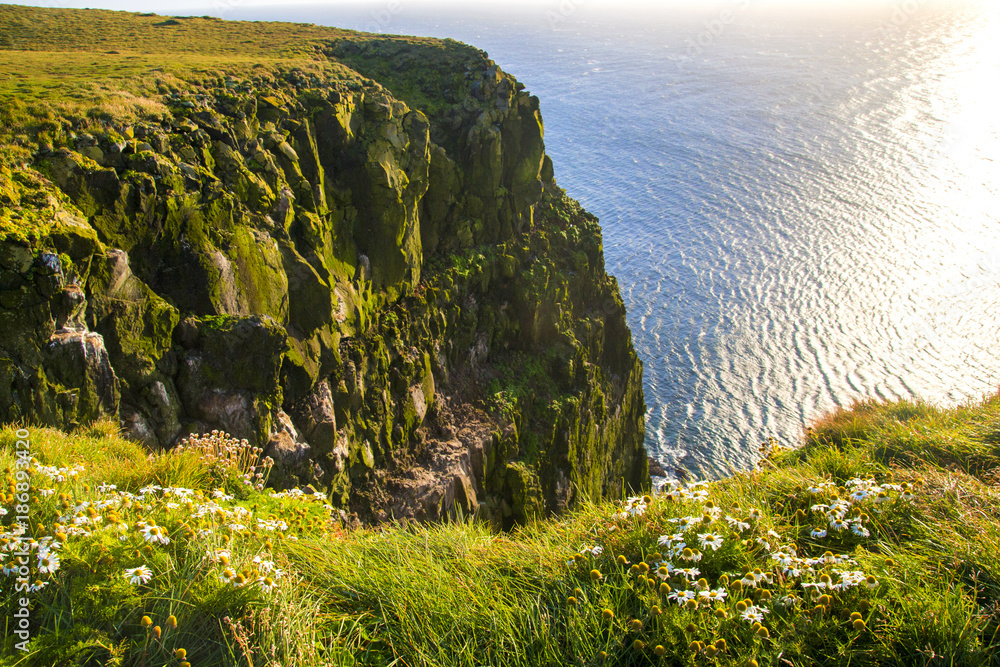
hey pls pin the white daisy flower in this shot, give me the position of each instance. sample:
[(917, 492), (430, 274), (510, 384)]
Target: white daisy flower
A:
[(683, 596), (755, 577), (667, 540), (153, 533), (267, 584), (784, 558), (219, 555), (37, 586), (684, 523), (754, 614), (737, 524), (710, 540), (139, 575), (838, 524), (263, 566), (690, 555), (717, 595), (47, 562), (859, 530)]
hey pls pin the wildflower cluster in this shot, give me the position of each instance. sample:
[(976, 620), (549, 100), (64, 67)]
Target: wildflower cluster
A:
[(839, 514), (225, 455), (138, 538), (695, 576)]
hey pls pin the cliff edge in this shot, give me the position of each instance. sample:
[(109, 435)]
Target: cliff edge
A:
[(348, 249)]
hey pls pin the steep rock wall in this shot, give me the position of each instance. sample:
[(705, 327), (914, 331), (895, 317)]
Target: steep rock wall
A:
[(380, 284)]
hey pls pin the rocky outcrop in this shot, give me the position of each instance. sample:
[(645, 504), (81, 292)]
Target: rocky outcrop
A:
[(366, 269)]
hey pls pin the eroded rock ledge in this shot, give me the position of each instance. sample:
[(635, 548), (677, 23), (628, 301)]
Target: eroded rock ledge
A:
[(378, 282)]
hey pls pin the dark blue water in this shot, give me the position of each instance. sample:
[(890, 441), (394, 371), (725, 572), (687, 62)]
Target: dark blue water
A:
[(802, 209)]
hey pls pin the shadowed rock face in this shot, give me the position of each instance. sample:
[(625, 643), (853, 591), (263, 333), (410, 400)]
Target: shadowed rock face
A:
[(380, 283)]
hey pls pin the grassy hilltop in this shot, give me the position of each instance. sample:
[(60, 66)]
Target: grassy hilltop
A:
[(58, 69)]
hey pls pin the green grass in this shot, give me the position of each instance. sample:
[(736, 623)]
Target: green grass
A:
[(461, 594), (65, 71)]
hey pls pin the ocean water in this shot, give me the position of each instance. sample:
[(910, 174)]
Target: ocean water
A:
[(802, 208)]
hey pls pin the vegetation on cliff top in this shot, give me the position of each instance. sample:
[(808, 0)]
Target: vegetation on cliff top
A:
[(114, 66), (873, 544)]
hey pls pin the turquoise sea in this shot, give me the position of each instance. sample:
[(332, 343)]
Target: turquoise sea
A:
[(802, 207)]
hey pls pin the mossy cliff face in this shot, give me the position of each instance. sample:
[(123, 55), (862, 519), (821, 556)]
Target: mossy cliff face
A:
[(380, 283)]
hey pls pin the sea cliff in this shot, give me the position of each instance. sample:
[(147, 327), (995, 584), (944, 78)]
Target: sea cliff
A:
[(349, 250)]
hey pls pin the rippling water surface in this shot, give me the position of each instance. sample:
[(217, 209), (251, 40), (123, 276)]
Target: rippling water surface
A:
[(801, 210)]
